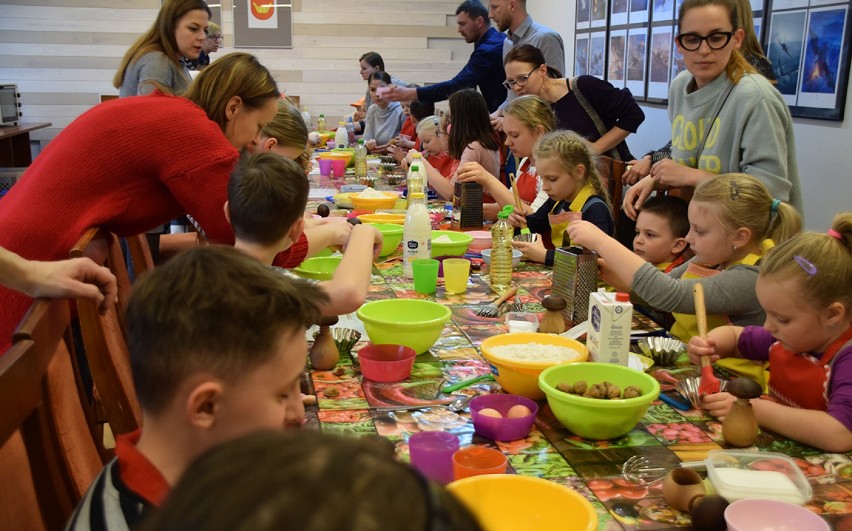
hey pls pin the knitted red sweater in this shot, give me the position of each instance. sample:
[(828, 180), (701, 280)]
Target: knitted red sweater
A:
[(128, 165)]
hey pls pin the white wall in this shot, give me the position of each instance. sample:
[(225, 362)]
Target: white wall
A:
[(823, 148)]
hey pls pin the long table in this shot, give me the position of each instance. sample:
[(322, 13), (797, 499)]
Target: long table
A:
[(347, 404)]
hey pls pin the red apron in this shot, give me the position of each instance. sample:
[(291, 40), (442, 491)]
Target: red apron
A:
[(526, 182), (798, 379)]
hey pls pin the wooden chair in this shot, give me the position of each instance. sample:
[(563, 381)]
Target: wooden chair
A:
[(48, 456), (103, 336), (140, 254), (611, 172)]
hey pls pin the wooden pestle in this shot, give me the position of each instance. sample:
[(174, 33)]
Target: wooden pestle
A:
[(324, 354), (553, 322)]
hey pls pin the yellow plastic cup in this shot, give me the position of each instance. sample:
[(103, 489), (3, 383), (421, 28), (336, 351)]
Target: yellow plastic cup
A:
[(456, 273)]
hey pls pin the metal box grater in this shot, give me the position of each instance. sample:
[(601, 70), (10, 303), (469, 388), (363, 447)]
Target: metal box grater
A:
[(575, 276), (467, 207)]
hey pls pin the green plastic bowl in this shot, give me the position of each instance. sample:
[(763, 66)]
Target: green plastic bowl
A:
[(457, 247), (392, 237), (414, 323), (318, 268), (595, 418)]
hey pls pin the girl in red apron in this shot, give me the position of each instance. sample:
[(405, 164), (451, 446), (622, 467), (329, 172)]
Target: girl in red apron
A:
[(526, 119), (805, 286), (733, 221), (566, 167)]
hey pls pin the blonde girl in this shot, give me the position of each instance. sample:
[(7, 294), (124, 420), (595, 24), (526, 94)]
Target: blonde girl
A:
[(433, 142), (805, 288), (566, 165), (286, 135), (733, 221), (525, 120)]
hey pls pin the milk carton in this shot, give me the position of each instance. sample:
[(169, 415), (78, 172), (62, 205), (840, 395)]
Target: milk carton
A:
[(610, 318)]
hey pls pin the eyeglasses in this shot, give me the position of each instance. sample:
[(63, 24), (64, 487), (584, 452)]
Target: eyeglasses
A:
[(520, 81), (716, 40)]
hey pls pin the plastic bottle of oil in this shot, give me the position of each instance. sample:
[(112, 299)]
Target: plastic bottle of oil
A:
[(501, 251), (321, 123), (360, 159)]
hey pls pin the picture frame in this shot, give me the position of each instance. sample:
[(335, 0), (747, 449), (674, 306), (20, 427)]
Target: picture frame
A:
[(600, 9), (659, 63), (616, 51), (263, 24), (584, 13), (808, 44), (581, 54), (597, 54), (636, 70)]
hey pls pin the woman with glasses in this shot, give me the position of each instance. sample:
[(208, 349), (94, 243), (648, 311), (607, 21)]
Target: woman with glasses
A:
[(210, 45), (725, 116), (590, 107)]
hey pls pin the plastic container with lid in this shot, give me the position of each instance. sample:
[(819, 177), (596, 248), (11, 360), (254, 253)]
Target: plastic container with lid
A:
[(742, 474)]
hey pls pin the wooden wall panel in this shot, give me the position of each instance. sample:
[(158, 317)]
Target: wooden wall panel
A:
[(63, 53)]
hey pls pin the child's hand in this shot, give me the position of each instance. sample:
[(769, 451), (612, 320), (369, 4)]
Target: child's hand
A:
[(371, 144), (474, 172), (378, 238), (396, 152), (340, 233), (608, 275), (534, 252), (410, 156), (718, 404), (517, 219), (586, 234), (636, 169), (699, 347)]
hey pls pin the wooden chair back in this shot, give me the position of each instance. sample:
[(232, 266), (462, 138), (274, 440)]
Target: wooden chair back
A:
[(103, 336), (41, 411), (611, 172), (140, 254)]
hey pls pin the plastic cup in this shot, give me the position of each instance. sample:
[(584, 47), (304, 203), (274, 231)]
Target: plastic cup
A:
[(325, 167), (339, 167), (425, 275), (456, 273), (432, 454), (477, 461)]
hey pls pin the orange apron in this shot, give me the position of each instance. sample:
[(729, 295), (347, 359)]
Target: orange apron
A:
[(801, 380), (686, 325), (559, 222)]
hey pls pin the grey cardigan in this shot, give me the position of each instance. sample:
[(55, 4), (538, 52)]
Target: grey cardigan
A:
[(153, 66)]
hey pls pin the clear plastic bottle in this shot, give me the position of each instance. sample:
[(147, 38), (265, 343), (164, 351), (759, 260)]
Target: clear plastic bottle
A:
[(306, 116), (414, 181), (501, 251), (341, 137), (350, 128), (360, 159), (416, 233), (417, 158), (321, 123)]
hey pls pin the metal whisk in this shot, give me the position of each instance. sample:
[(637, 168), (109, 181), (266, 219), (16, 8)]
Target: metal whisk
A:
[(641, 471)]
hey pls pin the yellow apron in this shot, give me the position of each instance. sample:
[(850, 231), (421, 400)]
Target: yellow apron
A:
[(686, 325), (559, 222)]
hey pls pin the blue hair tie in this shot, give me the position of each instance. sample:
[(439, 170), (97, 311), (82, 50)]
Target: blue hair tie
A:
[(774, 207)]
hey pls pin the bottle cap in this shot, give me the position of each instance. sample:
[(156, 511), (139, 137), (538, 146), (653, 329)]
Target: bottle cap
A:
[(417, 155), (415, 167), (360, 140), (508, 209), (622, 297), (342, 123), (502, 215), (322, 115)]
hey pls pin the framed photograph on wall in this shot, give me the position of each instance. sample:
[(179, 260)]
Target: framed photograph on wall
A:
[(599, 12), (637, 47), (581, 54), (662, 10), (638, 11), (659, 63), (616, 60), (263, 24), (809, 48), (584, 13), (618, 15), (597, 54)]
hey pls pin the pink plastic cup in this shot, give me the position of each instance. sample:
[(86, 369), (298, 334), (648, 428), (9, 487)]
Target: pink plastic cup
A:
[(432, 454), (325, 167), (339, 168)]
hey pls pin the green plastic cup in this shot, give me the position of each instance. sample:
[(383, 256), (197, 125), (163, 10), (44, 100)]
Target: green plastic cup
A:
[(425, 275)]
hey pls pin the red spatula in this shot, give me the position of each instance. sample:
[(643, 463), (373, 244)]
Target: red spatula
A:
[(709, 383)]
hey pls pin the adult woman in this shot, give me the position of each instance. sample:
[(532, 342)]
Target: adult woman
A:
[(210, 45), (751, 131), (123, 165), (590, 107), (370, 63), (160, 58)]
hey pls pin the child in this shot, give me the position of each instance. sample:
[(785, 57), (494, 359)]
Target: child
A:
[(266, 197), (276, 481), (733, 221), (566, 166), (384, 118), (470, 139), (434, 143), (217, 349), (525, 120), (661, 229), (805, 288), (415, 111), (286, 135)]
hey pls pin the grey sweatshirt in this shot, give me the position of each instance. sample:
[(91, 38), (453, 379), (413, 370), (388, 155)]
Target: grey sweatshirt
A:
[(153, 66), (753, 133), (383, 124)]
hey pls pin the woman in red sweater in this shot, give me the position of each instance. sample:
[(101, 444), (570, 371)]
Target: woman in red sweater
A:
[(131, 164)]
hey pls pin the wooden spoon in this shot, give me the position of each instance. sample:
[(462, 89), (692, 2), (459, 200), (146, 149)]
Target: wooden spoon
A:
[(709, 383)]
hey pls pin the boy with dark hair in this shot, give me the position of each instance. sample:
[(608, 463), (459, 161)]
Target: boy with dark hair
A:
[(217, 348), (661, 229), (267, 195)]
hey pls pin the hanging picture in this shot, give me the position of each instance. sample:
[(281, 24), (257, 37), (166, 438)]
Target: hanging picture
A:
[(584, 13), (599, 10), (637, 47), (618, 15), (809, 48), (638, 11), (616, 61), (581, 54), (660, 60), (263, 24), (597, 54), (662, 10)]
